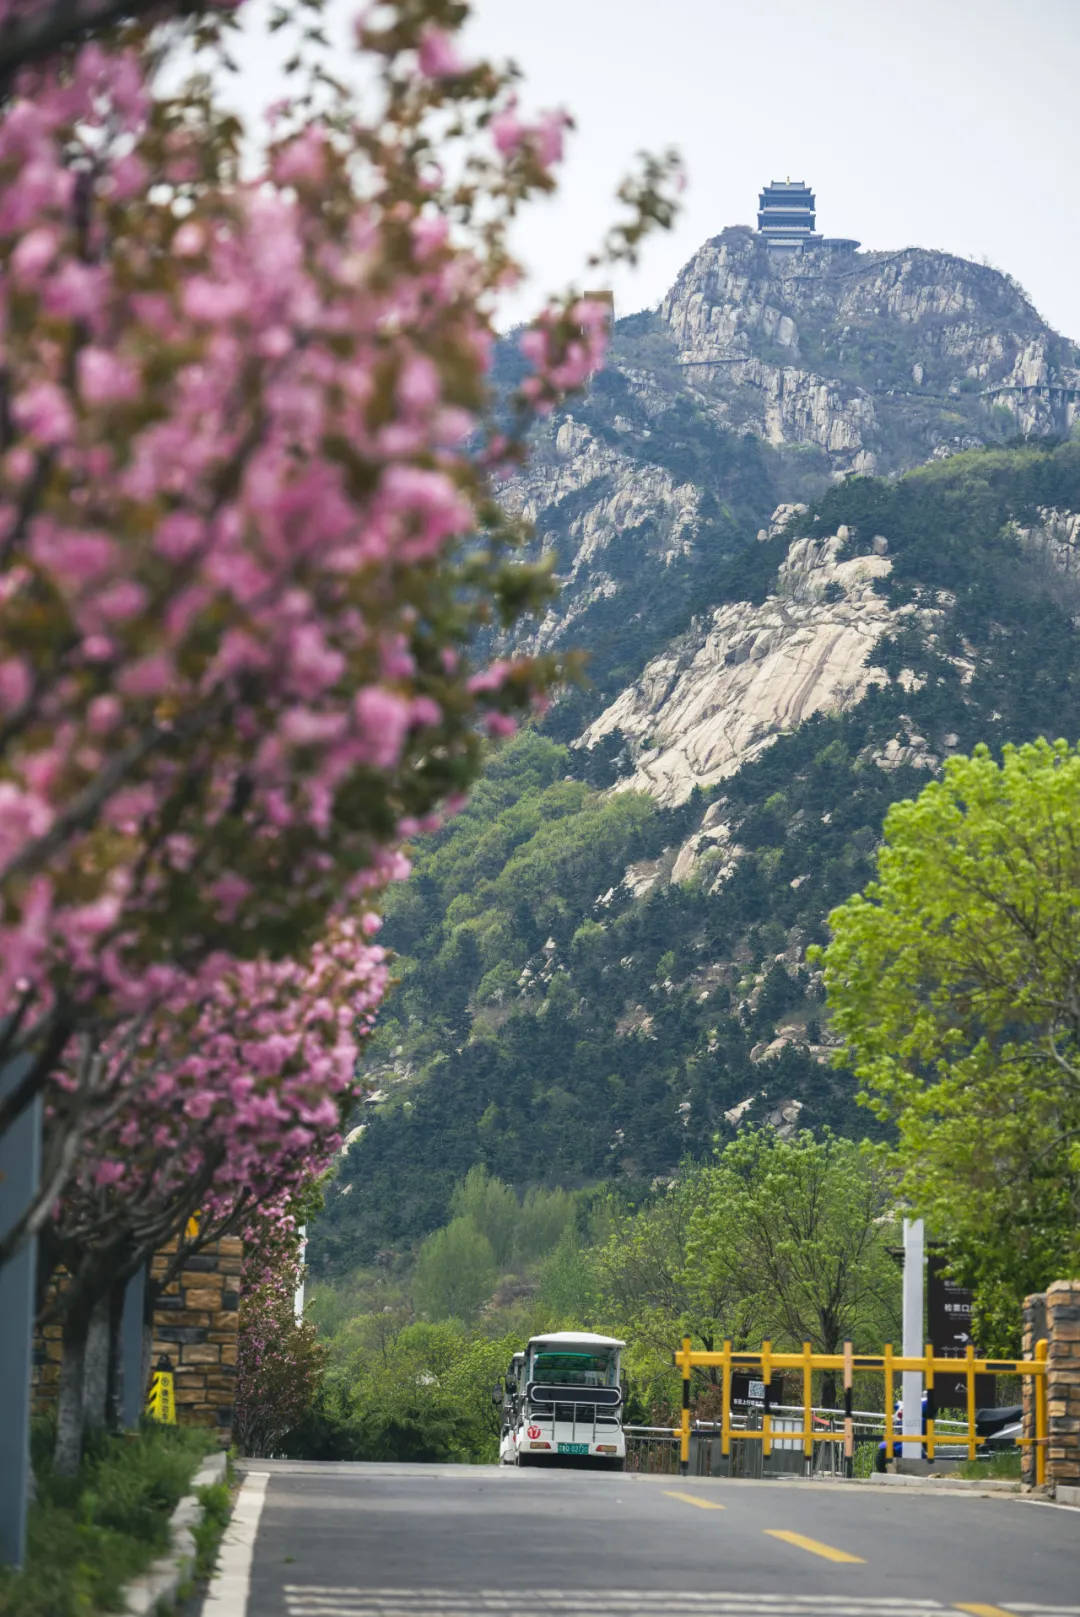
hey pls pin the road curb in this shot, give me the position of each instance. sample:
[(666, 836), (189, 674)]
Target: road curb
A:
[(889, 1479), (164, 1578), (1067, 1494)]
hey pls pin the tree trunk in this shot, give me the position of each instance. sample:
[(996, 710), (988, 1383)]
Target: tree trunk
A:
[(96, 1367), (147, 1352), (114, 1396), (69, 1409)]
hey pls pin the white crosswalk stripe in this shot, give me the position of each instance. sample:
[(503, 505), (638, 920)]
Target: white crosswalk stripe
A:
[(317, 1601), (620, 1597)]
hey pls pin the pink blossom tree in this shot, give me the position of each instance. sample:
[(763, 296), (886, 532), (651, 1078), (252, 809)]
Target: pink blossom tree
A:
[(220, 1108), (280, 1361), (249, 530), (248, 524)]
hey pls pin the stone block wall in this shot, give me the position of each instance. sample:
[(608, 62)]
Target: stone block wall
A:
[(48, 1350), (1055, 1315), (1063, 1382), (195, 1327)]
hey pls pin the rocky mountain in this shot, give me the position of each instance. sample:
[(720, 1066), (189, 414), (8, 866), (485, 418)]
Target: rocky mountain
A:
[(876, 359), (761, 379), (602, 961)]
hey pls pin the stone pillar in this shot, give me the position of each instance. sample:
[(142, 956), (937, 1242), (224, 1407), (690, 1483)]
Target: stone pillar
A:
[(1034, 1331), (1063, 1378), (195, 1327)]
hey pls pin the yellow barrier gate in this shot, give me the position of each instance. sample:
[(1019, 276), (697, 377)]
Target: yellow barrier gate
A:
[(888, 1363)]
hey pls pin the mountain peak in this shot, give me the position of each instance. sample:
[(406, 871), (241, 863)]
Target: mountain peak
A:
[(877, 358)]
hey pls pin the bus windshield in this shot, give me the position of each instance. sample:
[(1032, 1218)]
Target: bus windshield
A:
[(575, 1369)]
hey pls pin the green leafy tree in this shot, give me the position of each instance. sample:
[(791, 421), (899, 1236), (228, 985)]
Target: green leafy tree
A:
[(567, 1290), (493, 1208), (954, 980), (394, 1391), (468, 1382), (797, 1231), (455, 1271), (545, 1217), (655, 1290)]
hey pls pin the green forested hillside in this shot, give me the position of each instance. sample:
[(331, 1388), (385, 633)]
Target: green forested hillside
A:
[(787, 1239), (565, 1019)]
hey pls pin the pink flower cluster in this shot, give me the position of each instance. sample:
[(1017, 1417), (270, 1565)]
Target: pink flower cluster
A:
[(279, 1362), (565, 347), (247, 1065), (244, 452), (238, 431), (542, 139)]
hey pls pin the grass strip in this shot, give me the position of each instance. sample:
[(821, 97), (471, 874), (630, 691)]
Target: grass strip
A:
[(216, 1501), (90, 1534), (998, 1467)]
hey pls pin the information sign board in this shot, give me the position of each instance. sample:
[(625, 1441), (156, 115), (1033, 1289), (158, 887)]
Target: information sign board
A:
[(949, 1308), (748, 1392)]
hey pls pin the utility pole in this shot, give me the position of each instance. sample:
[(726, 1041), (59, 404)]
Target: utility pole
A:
[(20, 1164), (914, 1341)]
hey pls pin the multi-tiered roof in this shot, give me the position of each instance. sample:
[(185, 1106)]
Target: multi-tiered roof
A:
[(786, 214)]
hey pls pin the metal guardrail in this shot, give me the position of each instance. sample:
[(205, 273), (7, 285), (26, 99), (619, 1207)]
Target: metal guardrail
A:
[(765, 1361), (655, 1449)]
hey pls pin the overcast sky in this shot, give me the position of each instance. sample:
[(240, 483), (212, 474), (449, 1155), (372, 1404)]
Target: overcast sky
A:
[(951, 124)]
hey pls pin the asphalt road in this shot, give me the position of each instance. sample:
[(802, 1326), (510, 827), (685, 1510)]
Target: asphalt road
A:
[(398, 1541)]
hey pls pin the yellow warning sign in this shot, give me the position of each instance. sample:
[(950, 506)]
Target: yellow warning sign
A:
[(161, 1404)]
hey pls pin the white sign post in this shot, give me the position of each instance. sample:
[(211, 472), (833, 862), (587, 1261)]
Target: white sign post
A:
[(914, 1341), (298, 1300)]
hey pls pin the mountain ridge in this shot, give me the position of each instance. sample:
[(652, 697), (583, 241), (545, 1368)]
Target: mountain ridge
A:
[(649, 487)]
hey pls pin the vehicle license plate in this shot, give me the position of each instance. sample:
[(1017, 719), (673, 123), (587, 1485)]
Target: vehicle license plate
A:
[(572, 1448)]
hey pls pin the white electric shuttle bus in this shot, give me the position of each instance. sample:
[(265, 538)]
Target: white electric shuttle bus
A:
[(563, 1398)]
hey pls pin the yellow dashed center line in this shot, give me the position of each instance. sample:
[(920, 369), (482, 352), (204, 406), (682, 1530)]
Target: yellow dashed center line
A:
[(813, 1545), (692, 1499), (986, 1611)]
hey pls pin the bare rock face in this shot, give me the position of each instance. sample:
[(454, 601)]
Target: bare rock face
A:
[(725, 691), (759, 380), (601, 492), (876, 358), (1055, 539)]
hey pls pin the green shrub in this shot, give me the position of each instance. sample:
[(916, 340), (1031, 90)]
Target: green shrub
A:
[(90, 1534)]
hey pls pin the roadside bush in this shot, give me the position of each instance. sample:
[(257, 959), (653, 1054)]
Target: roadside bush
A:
[(90, 1534)]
